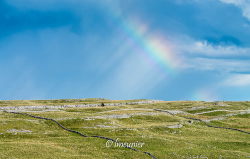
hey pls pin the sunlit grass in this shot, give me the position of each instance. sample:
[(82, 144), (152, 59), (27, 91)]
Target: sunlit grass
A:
[(139, 123)]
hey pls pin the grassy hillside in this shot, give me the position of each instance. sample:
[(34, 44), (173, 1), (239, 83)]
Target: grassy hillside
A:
[(163, 127)]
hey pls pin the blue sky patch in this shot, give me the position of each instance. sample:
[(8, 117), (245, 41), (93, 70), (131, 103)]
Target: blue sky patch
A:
[(169, 50)]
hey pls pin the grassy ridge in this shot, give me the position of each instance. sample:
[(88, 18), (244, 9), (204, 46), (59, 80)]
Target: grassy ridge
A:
[(60, 102)]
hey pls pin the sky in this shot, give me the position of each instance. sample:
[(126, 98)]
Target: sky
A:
[(125, 49)]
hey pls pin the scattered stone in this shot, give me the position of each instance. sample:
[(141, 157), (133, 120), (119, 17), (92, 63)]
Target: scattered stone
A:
[(105, 126), (172, 112), (58, 107), (241, 112), (89, 119), (123, 116), (222, 104), (115, 110), (99, 126), (198, 108), (175, 126), (115, 116), (177, 112), (214, 119), (212, 111), (15, 131), (132, 129)]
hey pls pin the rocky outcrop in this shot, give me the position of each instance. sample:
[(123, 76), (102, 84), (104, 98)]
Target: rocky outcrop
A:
[(52, 108)]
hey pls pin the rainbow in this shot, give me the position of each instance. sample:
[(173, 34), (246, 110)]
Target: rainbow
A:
[(156, 48), (204, 94)]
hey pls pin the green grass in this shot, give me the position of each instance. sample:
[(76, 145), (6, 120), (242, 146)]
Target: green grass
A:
[(193, 140), (200, 110), (217, 113)]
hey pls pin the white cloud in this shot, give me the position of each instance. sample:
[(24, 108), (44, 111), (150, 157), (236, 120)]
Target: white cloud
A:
[(244, 5), (238, 80), (191, 46), (222, 65), (202, 55), (203, 47)]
